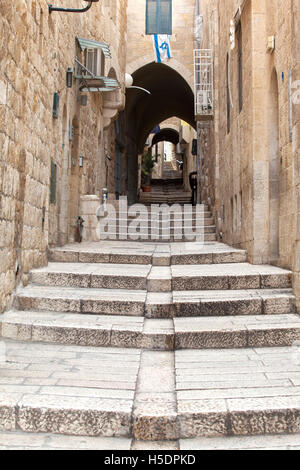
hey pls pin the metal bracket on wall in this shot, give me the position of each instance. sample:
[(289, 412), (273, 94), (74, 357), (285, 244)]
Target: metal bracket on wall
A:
[(72, 10)]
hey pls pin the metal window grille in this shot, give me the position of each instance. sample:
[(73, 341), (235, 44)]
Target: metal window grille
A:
[(204, 91)]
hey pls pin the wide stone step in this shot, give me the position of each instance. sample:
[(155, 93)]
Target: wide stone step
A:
[(139, 253), (20, 440), (208, 237), (239, 443), (236, 332), (158, 229), (156, 304), (125, 393), (101, 331), (229, 276), (158, 233), (207, 216), (105, 276), (244, 392), (162, 278), (127, 332), (67, 390), (85, 301), (230, 303)]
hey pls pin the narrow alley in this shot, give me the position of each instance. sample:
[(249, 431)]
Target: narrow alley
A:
[(149, 225)]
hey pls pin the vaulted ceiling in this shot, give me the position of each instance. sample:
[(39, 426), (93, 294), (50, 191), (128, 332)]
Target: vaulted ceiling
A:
[(170, 96)]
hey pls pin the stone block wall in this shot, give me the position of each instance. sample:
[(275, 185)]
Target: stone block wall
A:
[(245, 213), (36, 49)]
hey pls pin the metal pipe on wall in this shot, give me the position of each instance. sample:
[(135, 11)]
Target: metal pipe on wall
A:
[(198, 158)]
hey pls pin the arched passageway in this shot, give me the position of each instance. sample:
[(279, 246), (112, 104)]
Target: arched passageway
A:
[(170, 96), (167, 135)]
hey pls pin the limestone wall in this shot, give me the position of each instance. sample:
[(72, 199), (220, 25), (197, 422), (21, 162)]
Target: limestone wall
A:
[(140, 47), (296, 145), (36, 49), (253, 204)]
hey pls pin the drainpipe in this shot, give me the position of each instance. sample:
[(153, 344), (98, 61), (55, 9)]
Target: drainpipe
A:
[(199, 156)]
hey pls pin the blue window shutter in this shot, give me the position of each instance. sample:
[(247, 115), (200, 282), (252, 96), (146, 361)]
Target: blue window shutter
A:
[(159, 17), (165, 17), (53, 183)]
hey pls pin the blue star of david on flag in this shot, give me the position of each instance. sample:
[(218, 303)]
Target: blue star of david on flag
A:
[(162, 48)]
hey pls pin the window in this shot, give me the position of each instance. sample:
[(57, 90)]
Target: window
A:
[(240, 64), (53, 183), (159, 17)]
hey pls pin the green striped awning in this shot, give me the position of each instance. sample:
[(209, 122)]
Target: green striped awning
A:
[(90, 44), (97, 84)]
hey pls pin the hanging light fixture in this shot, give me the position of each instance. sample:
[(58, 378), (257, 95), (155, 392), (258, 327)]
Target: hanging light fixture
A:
[(129, 82), (72, 10)]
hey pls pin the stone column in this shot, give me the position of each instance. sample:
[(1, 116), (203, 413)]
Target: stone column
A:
[(260, 253)]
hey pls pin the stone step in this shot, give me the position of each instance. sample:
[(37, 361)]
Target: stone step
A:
[(249, 331), (68, 390), (159, 231), (243, 392), (138, 253), (207, 217), (234, 443), (20, 440), (102, 331), (208, 237), (127, 332), (155, 304), (104, 392), (230, 303), (162, 278), (229, 276), (103, 276), (85, 301), (171, 193)]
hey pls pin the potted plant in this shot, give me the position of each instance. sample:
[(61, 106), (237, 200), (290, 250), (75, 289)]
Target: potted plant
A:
[(147, 166)]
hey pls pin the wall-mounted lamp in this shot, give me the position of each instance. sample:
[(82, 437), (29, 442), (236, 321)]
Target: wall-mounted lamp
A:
[(72, 10), (129, 82), (69, 77)]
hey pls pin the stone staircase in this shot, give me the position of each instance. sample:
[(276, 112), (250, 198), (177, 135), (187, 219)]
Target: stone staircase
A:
[(205, 225), (152, 342), (167, 194), (170, 170)]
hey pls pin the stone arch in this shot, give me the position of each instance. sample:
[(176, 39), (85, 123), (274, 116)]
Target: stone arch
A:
[(172, 63), (169, 126), (170, 95), (166, 134)]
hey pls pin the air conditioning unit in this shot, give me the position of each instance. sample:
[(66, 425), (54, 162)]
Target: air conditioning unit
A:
[(202, 102), (95, 61)]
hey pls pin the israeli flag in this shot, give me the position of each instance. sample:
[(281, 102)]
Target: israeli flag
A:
[(162, 48)]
